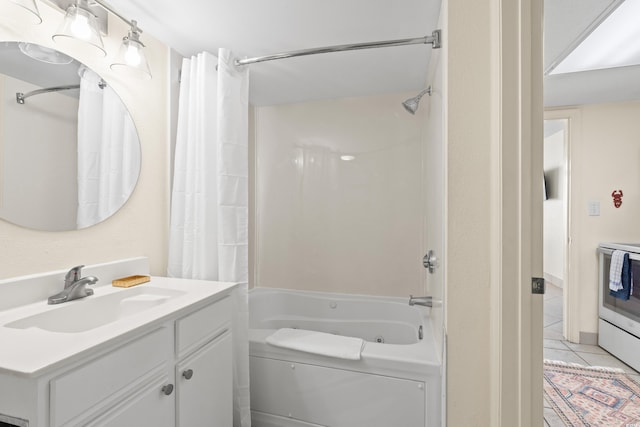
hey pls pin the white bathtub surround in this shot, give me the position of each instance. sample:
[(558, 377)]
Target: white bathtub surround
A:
[(338, 196), (321, 343), (397, 370), (209, 209)]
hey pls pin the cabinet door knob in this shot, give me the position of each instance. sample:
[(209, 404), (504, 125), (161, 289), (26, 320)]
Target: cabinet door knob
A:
[(167, 389), (188, 374)]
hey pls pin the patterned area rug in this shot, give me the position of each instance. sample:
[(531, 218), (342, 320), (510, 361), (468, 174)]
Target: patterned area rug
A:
[(591, 396)]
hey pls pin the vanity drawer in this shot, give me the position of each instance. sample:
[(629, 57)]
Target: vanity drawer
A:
[(196, 329), (89, 388)]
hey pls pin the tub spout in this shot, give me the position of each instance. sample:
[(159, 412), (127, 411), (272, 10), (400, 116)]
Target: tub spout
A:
[(424, 301)]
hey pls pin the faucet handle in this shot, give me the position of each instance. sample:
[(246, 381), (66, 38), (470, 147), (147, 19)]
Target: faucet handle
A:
[(73, 275)]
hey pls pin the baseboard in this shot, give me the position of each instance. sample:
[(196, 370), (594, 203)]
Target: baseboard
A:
[(590, 338)]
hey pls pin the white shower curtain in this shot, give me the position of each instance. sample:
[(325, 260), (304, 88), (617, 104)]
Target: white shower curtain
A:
[(108, 151), (209, 205)]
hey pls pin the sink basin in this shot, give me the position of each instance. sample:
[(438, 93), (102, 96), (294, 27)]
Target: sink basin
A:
[(95, 311)]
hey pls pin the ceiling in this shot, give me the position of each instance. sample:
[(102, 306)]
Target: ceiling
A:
[(257, 27), (566, 21)]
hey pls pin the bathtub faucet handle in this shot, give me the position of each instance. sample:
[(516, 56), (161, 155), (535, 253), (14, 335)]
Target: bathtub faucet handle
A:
[(424, 301)]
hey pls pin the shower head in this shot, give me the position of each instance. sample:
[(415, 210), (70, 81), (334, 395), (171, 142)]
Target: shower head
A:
[(412, 104)]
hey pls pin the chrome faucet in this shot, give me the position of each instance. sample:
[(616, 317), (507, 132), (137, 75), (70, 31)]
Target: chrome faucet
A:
[(424, 301), (72, 275), (74, 286)]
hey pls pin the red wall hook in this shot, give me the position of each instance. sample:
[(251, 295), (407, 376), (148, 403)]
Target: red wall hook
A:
[(617, 198)]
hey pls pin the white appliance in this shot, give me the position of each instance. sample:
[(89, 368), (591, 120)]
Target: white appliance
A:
[(619, 323)]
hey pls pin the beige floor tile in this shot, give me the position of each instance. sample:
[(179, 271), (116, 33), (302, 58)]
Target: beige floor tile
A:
[(557, 344), (567, 356), (554, 331), (605, 360), (585, 348), (554, 307), (549, 320)]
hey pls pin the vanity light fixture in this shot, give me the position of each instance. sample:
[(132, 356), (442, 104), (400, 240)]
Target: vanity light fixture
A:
[(30, 7), (131, 57), (80, 28)]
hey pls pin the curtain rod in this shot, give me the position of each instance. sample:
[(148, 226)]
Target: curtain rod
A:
[(434, 39), (20, 97)]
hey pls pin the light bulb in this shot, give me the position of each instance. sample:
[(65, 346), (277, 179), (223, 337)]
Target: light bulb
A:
[(132, 55), (131, 58), (80, 27)]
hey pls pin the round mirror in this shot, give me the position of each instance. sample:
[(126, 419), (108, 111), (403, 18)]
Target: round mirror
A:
[(69, 151)]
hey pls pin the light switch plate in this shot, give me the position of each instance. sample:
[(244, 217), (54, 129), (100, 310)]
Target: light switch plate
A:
[(594, 208)]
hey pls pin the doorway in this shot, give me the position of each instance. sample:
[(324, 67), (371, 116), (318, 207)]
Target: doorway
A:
[(555, 224)]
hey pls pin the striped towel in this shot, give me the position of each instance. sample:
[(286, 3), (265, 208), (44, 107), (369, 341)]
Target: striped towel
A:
[(615, 271)]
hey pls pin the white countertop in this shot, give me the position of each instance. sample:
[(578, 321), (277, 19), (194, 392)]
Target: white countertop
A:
[(33, 351)]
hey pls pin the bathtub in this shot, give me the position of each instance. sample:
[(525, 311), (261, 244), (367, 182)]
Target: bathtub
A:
[(396, 382)]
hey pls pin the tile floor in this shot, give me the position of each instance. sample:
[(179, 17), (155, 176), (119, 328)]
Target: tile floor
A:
[(557, 348)]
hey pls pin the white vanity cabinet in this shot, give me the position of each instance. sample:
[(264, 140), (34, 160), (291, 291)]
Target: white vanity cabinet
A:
[(176, 372), (204, 371)]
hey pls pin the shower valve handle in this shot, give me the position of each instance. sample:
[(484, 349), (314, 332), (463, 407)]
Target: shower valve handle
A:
[(430, 262)]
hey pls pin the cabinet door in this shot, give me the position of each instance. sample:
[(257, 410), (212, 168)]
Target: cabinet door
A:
[(149, 407), (205, 386)]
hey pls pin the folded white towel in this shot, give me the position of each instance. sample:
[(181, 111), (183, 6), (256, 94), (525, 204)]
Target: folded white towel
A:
[(317, 343), (615, 270)]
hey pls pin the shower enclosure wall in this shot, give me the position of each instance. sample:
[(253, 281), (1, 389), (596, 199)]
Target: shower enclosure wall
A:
[(339, 194), (342, 203)]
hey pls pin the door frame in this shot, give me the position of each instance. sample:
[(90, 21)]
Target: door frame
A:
[(571, 309), (519, 319), (494, 137)]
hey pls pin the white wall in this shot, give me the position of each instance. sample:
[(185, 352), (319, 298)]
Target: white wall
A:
[(605, 154), (554, 207), (327, 224), (140, 227), (39, 143)]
